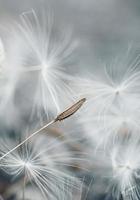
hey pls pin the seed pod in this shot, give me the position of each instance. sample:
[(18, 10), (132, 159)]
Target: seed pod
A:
[(70, 111)]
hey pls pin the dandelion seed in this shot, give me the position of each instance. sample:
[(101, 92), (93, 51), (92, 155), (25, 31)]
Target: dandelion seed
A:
[(44, 167), (119, 166), (113, 106), (119, 83), (60, 117), (70, 111), (125, 162), (46, 56)]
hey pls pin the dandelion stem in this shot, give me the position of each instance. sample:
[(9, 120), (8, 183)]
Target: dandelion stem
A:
[(28, 138)]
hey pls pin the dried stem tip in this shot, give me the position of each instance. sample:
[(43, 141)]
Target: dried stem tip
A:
[(70, 111)]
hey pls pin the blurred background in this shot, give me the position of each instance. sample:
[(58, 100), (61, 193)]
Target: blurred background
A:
[(103, 29)]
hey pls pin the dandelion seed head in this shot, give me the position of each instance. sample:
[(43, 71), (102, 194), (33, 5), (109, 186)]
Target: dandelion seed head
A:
[(125, 165), (119, 90), (119, 82), (45, 57), (119, 165), (26, 164), (45, 167)]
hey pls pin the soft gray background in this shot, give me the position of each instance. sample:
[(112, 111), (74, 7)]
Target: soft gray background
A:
[(103, 27)]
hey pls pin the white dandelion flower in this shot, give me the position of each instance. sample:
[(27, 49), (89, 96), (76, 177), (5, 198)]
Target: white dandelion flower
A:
[(46, 167), (126, 168), (113, 106), (118, 83), (119, 165), (46, 58)]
